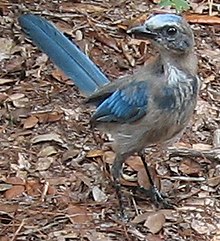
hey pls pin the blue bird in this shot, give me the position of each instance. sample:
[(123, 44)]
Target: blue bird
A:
[(149, 107)]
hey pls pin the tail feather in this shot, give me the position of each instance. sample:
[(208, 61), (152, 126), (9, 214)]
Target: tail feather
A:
[(65, 54)]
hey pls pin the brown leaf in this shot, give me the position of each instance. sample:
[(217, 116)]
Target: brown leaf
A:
[(109, 157), (8, 208), (14, 192), (79, 214), (214, 181), (49, 117), (95, 153), (202, 19), (82, 7), (33, 187), (135, 163), (107, 40), (4, 238), (189, 166), (47, 151), (15, 181), (30, 122), (155, 222), (61, 77)]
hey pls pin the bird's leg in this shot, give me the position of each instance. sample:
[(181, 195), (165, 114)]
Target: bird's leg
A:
[(156, 197), (116, 173)]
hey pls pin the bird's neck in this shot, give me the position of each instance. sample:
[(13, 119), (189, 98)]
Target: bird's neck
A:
[(185, 62)]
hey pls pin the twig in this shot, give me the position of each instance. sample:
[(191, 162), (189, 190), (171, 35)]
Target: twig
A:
[(18, 230), (213, 154), (46, 186), (187, 179)]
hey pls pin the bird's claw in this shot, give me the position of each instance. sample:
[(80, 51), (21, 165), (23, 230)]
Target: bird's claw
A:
[(158, 198)]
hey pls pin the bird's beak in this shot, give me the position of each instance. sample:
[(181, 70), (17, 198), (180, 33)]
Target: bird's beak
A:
[(141, 32)]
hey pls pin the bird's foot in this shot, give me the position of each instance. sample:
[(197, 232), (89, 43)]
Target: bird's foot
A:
[(158, 198)]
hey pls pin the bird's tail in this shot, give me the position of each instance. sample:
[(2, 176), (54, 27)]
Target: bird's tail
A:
[(64, 53)]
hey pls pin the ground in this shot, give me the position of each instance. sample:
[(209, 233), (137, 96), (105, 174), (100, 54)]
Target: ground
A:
[(54, 172)]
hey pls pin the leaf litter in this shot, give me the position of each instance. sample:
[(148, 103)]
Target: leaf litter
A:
[(55, 182)]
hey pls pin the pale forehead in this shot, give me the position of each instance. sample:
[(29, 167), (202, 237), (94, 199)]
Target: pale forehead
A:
[(160, 20)]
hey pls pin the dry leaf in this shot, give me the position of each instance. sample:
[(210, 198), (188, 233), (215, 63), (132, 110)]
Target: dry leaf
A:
[(14, 192), (5, 186), (30, 122), (155, 222), (8, 208), (16, 96), (109, 157), (135, 163), (47, 151), (202, 19), (189, 166), (47, 137), (201, 147), (214, 181), (82, 7), (202, 227), (79, 214), (98, 194), (15, 181), (33, 187), (6, 81), (44, 163), (95, 153)]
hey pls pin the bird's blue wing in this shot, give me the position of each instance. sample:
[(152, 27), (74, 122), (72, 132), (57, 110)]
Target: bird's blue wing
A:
[(125, 105)]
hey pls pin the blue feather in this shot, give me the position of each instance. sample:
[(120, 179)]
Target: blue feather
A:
[(125, 105), (65, 54)]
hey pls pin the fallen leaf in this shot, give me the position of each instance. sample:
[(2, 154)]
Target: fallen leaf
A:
[(6, 81), (14, 192), (15, 181), (30, 122), (189, 166), (95, 153), (202, 19), (98, 194), (202, 147), (214, 181), (109, 157), (47, 137), (33, 187), (202, 227), (82, 7), (135, 163), (16, 96), (155, 222), (6, 47), (5, 186), (79, 214), (8, 208), (44, 163), (47, 151), (22, 102)]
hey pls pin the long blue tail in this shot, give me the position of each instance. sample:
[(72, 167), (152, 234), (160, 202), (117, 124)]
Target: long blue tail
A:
[(65, 54)]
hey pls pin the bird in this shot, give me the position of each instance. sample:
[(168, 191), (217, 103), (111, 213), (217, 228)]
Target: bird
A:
[(149, 107)]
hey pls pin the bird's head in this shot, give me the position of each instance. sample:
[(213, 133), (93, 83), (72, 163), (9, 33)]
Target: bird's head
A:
[(169, 32)]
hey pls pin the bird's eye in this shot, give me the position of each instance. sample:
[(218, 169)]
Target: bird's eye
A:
[(171, 31)]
